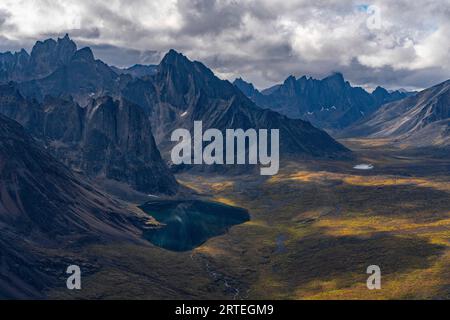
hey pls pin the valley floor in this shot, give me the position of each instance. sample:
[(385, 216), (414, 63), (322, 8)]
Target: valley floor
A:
[(315, 228)]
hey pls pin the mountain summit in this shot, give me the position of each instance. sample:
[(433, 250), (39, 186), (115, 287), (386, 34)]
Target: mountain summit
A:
[(183, 91), (46, 56)]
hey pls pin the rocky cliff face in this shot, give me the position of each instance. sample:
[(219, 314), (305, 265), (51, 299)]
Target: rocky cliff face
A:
[(330, 103), (119, 144), (109, 138)]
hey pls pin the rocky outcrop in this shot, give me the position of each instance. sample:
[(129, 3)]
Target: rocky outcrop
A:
[(109, 138)]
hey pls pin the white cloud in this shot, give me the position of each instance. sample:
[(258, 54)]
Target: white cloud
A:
[(262, 40)]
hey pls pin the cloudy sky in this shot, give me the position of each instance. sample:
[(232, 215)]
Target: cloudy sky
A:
[(396, 44)]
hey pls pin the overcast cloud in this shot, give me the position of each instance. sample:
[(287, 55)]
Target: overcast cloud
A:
[(264, 41)]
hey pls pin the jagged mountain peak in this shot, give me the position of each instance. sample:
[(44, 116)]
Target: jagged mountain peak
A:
[(66, 38), (45, 57), (184, 91), (331, 103), (380, 89), (246, 87), (85, 54), (178, 61), (290, 79), (174, 57)]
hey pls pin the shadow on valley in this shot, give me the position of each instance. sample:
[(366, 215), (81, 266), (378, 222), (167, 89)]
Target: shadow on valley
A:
[(338, 258), (189, 223)]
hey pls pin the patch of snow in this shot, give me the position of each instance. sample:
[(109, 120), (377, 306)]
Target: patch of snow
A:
[(184, 114), (363, 166), (152, 195)]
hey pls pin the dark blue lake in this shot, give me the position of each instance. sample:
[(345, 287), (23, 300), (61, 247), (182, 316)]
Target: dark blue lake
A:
[(189, 223)]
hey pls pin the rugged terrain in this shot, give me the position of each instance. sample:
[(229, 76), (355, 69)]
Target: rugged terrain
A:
[(183, 91), (331, 103), (314, 230), (422, 120), (107, 139), (314, 227), (47, 213)]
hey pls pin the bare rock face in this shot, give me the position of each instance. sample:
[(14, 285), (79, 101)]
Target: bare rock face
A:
[(48, 55), (119, 144), (109, 138), (422, 120)]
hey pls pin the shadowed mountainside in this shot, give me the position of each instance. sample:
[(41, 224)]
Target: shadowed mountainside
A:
[(174, 95), (44, 206), (109, 138), (183, 91), (330, 103)]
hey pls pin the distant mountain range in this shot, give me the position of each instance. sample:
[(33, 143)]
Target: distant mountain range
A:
[(46, 56), (173, 95), (331, 103), (183, 91), (45, 209), (138, 70), (421, 120)]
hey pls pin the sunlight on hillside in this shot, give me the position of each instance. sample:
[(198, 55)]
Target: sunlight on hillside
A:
[(358, 180)]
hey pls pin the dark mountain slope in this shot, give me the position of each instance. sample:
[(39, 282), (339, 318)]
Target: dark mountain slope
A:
[(330, 103), (183, 91), (109, 138), (138, 70), (44, 206), (82, 77), (420, 120), (46, 56)]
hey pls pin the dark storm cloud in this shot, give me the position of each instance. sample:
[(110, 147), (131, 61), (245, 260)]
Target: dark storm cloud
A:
[(209, 16), (263, 41)]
